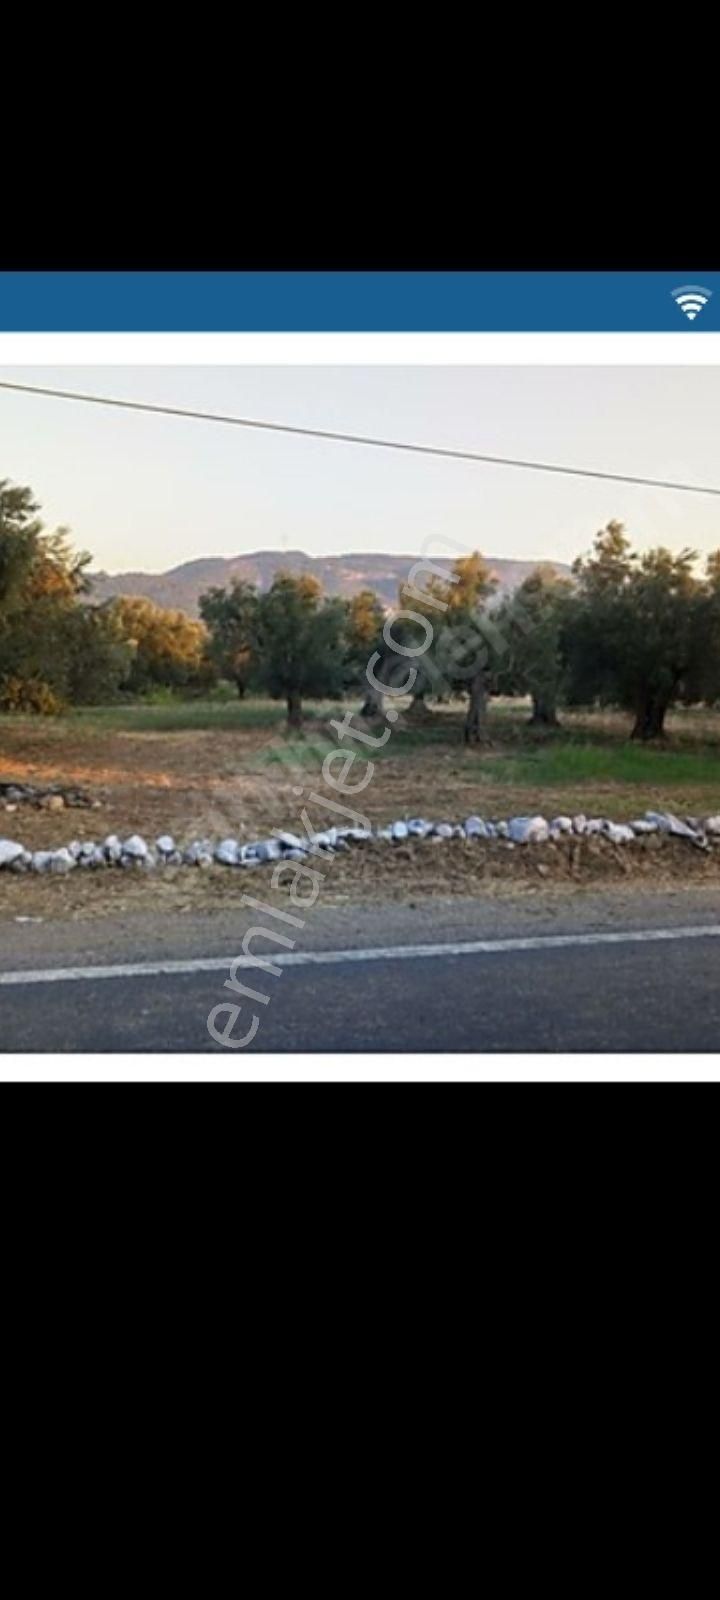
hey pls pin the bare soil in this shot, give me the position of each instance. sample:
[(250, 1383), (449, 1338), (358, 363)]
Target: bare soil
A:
[(221, 783)]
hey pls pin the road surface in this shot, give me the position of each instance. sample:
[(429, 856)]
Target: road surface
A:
[(585, 975)]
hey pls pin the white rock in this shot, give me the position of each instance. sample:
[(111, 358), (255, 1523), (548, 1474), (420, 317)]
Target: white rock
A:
[(327, 839), (268, 850), (199, 852), (618, 833), (9, 852), (400, 830), (668, 823), (135, 848), (292, 855), (594, 825), (21, 863), (458, 831), (112, 848), (712, 825), (528, 830), (289, 841), (562, 824), (579, 824), (60, 861), (641, 826), (227, 853), (662, 819), (166, 845), (475, 828), (91, 858), (443, 830), (502, 830)]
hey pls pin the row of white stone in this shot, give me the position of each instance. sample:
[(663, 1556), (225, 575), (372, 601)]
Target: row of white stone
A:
[(135, 852)]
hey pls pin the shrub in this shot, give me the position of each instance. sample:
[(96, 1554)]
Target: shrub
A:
[(29, 695)]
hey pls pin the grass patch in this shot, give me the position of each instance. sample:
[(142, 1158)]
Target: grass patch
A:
[(572, 763), (182, 716), (177, 716)]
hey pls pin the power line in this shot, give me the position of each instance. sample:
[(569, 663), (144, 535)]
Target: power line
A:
[(356, 438)]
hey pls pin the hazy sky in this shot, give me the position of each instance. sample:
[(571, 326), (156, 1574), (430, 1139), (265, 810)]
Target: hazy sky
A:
[(149, 492)]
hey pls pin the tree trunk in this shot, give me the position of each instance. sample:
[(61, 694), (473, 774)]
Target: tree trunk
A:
[(650, 717), (544, 713), (649, 724), (240, 686), (294, 709), (373, 704), (476, 731)]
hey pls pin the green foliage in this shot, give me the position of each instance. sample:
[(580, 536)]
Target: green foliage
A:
[(20, 533), (638, 632), (532, 623), (97, 656), (300, 643), (165, 648), (456, 652), (455, 608), (54, 648), (291, 642), (641, 630), (231, 617), (28, 695), (364, 623)]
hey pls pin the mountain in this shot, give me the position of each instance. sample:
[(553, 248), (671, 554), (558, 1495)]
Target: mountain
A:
[(181, 587)]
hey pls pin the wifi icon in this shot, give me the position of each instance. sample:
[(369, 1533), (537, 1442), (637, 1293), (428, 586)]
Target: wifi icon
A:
[(691, 299)]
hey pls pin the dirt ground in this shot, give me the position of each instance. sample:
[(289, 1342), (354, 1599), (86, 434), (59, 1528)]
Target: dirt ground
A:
[(240, 783)]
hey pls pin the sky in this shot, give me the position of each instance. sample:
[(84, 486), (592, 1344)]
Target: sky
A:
[(144, 492)]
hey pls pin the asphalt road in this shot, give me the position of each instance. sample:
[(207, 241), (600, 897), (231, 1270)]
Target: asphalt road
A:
[(654, 990)]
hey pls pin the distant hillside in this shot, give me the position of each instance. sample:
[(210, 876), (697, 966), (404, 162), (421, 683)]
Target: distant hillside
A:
[(345, 575)]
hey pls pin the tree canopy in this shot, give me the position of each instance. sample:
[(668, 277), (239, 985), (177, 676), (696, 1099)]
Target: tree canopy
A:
[(532, 624), (55, 649), (635, 630), (300, 643), (231, 617), (166, 648), (640, 629)]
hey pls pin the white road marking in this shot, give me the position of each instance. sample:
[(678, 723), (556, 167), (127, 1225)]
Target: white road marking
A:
[(330, 958)]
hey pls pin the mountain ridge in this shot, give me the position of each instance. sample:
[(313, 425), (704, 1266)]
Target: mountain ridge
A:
[(180, 587)]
